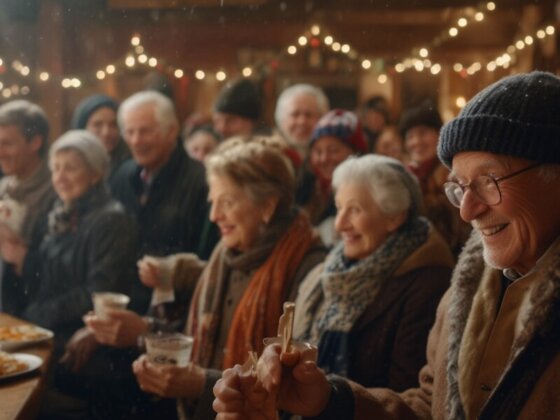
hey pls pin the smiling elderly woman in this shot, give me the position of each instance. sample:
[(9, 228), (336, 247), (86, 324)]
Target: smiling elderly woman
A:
[(267, 248), (89, 243), (370, 306)]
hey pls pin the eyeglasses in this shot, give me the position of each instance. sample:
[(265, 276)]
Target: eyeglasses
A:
[(485, 187)]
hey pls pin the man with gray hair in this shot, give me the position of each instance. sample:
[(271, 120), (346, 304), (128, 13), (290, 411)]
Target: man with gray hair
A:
[(161, 186), (26, 192), (298, 109)]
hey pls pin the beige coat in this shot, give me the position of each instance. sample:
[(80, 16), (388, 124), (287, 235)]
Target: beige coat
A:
[(470, 363)]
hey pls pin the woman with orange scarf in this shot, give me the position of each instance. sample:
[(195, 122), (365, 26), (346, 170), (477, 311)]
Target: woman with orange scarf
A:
[(267, 248)]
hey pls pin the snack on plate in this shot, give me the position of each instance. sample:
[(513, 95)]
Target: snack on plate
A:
[(10, 365), (19, 333)]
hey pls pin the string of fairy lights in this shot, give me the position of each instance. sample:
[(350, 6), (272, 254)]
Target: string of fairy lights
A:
[(314, 37)]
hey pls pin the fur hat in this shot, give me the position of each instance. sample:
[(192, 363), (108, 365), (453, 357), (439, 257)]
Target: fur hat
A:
[(516, 116), (240, 98), (343, 125), (88, 106), (425, 114), (89, 147)]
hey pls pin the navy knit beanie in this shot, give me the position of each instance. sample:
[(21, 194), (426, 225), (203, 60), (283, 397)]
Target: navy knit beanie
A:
[(240, 98), (344, 126), (516, 116), (88, 106)]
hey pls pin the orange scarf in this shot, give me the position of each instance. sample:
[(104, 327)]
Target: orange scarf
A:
[(256, 316)]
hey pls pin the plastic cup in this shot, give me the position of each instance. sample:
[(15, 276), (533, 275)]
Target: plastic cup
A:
[(169, 349), (102, 301)]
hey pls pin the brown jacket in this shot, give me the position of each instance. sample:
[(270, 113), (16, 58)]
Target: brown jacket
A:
[(527, 387)]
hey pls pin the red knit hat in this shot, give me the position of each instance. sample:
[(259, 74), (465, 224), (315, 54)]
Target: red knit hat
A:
[(343, 125)]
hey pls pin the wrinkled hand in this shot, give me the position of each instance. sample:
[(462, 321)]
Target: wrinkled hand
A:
[(299, 385), (79, 350), (239, 396), (169, 381), (121, 328), (149, 272)]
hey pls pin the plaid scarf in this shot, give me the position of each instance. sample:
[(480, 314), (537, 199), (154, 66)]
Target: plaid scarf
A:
[(346, 288), (256, 315)]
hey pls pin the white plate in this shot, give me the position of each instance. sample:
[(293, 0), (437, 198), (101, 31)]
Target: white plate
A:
[(12, 345), (33, 362)]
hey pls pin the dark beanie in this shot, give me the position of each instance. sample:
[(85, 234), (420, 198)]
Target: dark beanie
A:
[(344, 126), (240, 98), (88, 106), (516, 116), (425, 114)]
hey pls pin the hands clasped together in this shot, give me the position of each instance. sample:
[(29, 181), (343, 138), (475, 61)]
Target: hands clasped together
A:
[(289, 381)]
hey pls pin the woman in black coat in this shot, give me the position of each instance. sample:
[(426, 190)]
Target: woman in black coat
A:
[(88, 245)]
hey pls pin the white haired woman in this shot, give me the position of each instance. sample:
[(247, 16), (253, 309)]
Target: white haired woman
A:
[(370, 306)]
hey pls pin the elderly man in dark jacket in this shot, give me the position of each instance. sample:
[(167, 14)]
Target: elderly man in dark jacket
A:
[(161, 186)]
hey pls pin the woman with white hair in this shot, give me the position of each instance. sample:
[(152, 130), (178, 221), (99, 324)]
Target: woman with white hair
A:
[(298, 109), (370, 305), (88, 246)]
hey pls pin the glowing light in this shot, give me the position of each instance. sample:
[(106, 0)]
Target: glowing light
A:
[(423, 52), (491, 66), (399, 68), (345, 48), (6, 93), (528, 40), (460, 101), (315, 30), (1, 85), (66, 83), (17, 65), (462, 22), (549, 30), (382, 79), (247, 71), (221, 76), (519, 45), (135, 40), (329, 40), (479, 16), (110, 69), (427, 63), (25, 90), (541, 34), (15, 89), (142, 58), (292, 50), (25, 71), (302, 40), (336, 46), (435, 69), (130, 61), (44, 76), (511, 49), (366, 64), (457, 67), (152, 62), (178, 73), (491, 5), (1, 64), (100, 74), (418, 65), (76, 83), (453, 31), (200, 75)]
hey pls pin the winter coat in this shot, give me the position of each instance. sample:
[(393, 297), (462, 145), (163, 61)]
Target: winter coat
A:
[(95, 254), (171, 219)]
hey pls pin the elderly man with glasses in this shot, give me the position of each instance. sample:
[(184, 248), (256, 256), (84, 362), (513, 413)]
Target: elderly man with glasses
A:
[(494, 350)]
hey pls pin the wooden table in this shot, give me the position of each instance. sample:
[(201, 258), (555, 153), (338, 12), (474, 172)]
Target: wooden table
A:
[(20, 397)]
